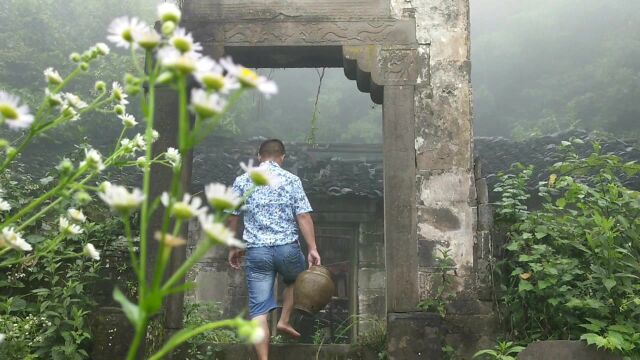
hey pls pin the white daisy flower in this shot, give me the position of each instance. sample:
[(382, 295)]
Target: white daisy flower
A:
[(14, 239), (259, 175), (76, 215), (249, 78), (169, 12), (91, 251), (207, 105), (141, 162), (52, 76), (210, 74), (128, 120), (189, 207), (183, 42), (69, 112), (221, 197), (173, 59), (173, 156), (251, 331), (4, 205), (75, 101), (155, 135), (53, 99), (122, 30), (66, 228), (93, 159), (118, 94), (16, 116), (147, 38), (119, 198), (139, 143), (218, 233), (103, 49)]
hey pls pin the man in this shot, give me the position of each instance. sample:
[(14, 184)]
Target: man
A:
[(272, 215)]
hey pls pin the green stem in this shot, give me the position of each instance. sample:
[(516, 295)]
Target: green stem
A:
[(5, 250), (39, 214), (146, 183), (186, 334), (127, 232), (141, 330), (200, 251)]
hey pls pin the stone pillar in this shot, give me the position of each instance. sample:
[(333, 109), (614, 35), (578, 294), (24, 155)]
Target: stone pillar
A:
[(166, 123)]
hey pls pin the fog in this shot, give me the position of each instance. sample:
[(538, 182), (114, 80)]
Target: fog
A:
[(537, 67)]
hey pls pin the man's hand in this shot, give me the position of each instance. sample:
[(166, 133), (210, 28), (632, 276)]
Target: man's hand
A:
[(235, 255), (313, 257)]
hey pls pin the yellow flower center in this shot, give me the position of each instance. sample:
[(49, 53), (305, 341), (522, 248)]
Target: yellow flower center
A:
[(8, 111), (205, 111), (127, 36), (182, 44), (185, 65), (248, 77), (221, 204), (213, 82)]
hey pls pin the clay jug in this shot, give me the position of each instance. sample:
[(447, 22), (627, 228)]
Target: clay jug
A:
[(313, 289)]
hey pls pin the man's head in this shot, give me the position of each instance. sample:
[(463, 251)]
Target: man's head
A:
[(272, 149)]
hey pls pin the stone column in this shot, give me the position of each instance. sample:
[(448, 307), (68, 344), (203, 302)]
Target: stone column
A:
[(166, 123)]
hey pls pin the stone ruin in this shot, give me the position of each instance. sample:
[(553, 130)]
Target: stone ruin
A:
[(413, 58)]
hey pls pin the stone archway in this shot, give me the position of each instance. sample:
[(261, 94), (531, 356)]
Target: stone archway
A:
[(413, 58)]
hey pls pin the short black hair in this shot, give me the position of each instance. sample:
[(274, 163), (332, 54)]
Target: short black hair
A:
[(271, 148)]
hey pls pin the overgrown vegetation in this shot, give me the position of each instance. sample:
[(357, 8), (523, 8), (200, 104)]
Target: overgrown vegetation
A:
[(571, 268), (45, 302), (205, 345)]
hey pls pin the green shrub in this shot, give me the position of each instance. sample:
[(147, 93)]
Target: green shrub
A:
[(572, 269)]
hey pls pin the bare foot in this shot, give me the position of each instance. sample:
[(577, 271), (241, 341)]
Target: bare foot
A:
[(287, 330)]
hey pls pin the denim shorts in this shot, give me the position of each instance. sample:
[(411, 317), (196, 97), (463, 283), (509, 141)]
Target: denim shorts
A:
[(262, 264)]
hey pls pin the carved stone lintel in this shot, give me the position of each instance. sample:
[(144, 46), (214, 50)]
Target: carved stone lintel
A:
[(279, 33)]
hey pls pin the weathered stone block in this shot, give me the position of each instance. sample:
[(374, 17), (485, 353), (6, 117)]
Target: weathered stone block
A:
[(482, 191), (565, 350), (212, 286), (369, 278), (462, 306), (414, 335), (485, 217)]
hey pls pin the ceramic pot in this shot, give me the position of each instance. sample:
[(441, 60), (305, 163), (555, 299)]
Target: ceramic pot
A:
[(313, 289)]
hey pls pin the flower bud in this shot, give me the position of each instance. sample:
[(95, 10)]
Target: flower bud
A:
[(119, 109), (101, 86), (103, 186), (82, 197), (65, 167), (141, 162), (132, 90), (11, 151), (4, 143), (84, 66), (102, 48), (164, 78), (75, 57), (168, 27)]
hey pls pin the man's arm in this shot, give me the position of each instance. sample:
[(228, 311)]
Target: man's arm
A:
[(234, 253), (305, 222)]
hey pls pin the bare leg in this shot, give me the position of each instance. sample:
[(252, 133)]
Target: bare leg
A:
[(262, 348), (287, 308)]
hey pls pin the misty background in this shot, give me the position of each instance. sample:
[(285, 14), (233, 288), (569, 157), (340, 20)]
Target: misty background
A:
[(537, 67)]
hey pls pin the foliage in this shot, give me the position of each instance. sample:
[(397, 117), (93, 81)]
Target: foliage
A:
[(44, 229), (572, 267), (445, 265), (375, 338), (44, 302), (544, 66), (504, 350), (204, 346)]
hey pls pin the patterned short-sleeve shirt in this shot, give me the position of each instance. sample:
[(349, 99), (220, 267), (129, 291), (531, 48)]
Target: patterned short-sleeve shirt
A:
[(270, 211)]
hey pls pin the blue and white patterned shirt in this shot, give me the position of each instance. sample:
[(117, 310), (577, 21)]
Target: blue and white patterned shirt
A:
[(270, 211)]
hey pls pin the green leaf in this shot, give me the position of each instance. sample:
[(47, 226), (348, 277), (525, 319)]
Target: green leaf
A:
[(561, 203), (131, 310), (609, 283), (594, 339), (524, 286), (621, 328)]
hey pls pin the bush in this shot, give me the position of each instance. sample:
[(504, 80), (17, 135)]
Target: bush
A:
[(571, 269)]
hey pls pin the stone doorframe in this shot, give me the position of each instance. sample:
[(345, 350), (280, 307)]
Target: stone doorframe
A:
[(414, 61)]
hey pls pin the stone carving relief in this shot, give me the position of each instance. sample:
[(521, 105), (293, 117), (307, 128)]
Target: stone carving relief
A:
[(318, 33)]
